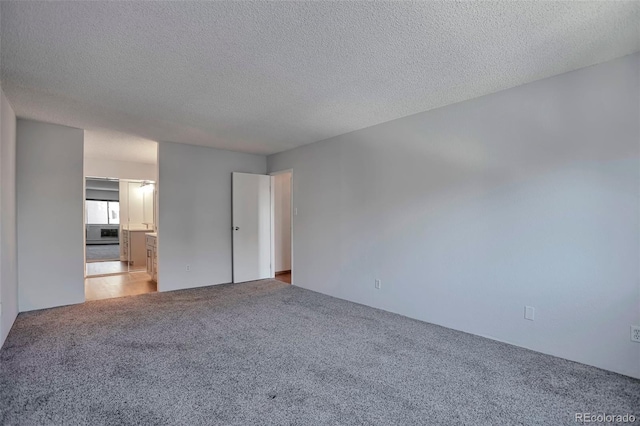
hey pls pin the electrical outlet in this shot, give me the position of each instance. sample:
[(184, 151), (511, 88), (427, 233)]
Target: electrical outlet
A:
[(529, 313), (378, 284), (187, 268), (635, 333)]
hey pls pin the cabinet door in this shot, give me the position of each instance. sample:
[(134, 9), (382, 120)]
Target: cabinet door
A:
[(149, 261), (155, 263)]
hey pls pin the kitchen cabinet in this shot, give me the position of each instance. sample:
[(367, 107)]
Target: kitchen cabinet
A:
[(134, 246), (152, 255), (137, 214)]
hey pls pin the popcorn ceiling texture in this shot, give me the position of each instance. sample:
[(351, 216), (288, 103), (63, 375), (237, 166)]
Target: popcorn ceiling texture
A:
[(264, 77)]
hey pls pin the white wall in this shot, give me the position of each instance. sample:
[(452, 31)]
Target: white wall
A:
[(194, 213), (50, 199), (282, 222), (8, 243), (120, 169), (470, 212), (135, 205)]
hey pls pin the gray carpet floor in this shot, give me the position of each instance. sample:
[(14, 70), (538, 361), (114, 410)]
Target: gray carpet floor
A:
[(270, 353), (102, 251)]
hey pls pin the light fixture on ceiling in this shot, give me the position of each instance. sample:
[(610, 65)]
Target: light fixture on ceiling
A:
[(146, 185)]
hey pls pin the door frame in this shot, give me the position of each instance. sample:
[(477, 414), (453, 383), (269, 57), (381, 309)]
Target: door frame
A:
[(273, 221)]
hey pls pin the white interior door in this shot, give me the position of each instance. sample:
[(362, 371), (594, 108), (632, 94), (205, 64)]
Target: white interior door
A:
[(252, 227)]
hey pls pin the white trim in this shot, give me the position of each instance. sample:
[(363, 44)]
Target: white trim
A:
[(272, 191), (281, 172), (84, 231)]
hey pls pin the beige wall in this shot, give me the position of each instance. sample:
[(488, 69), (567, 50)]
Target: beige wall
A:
[(282, 210), (94, 167)]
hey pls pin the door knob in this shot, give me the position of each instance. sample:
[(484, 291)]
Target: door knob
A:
[(237, 228)]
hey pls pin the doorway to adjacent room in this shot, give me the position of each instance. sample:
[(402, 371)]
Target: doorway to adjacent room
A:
[(282, 211), (120, 233), (262, 226), (102, 227), (118, 215)]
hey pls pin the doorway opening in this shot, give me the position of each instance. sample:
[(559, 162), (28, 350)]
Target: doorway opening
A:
[(115, 211), (282, 211), (262, 226), (120, 232), (120, 219), (102, 227)]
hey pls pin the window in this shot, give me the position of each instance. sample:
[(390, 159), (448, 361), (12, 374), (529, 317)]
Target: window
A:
[(102, 212)]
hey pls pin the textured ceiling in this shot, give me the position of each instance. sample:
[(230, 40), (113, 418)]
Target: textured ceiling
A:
[(267, 76), (110, 145)]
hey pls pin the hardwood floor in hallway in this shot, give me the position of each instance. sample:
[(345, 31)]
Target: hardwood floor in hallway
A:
[(105, 268), (110, 267), (122, 285), (285, 277)]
